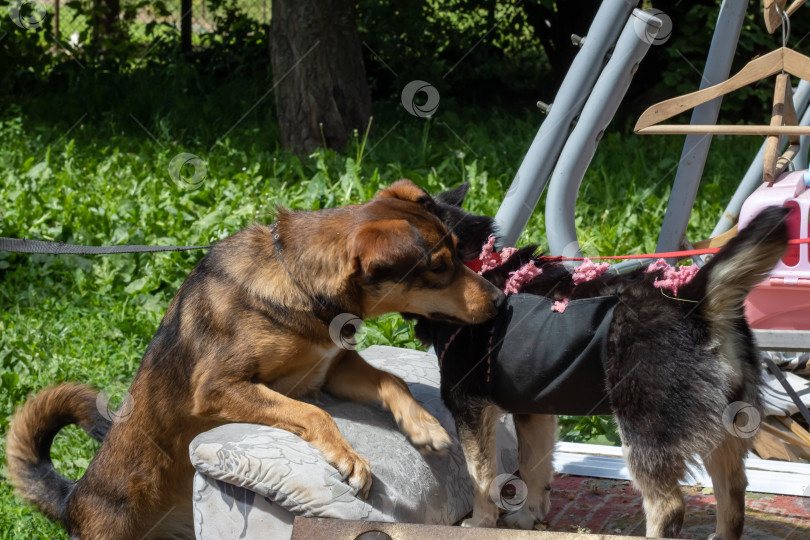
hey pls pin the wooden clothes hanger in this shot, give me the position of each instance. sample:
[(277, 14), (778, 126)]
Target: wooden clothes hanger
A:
[(782, 59), (783, 119), (772, 167), (783, 114), (771, 10)]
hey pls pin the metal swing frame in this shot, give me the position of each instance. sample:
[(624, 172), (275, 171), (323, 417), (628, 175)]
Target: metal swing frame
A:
[(618, 39)]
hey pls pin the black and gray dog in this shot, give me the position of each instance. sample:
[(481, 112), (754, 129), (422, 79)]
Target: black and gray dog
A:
[(670, 365)]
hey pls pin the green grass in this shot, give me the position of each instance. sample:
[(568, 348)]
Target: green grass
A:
[(89, 319)]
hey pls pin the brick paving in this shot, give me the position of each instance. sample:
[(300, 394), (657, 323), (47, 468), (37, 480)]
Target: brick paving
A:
[(614, 507)]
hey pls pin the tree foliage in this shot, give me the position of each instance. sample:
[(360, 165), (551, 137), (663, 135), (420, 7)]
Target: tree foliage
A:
[(488, 53)]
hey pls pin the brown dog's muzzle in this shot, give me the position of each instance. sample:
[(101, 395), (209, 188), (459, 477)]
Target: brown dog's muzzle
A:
[(481, 299)]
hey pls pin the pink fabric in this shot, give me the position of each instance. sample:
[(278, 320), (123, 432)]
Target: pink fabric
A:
[(588, 271), (673, 277), (660, 264), (560, 305), (486, 254), (447, 345), (506, 253), (489, 352), (488, 261), (524, 274)]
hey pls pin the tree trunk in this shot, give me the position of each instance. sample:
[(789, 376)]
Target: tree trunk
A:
[(185, 25), (105, 21), (56, 19), (320, 82)]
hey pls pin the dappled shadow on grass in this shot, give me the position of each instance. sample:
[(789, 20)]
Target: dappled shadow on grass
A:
[(168, 104)]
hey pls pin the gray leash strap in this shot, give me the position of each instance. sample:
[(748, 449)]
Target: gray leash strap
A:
[(16, 245)]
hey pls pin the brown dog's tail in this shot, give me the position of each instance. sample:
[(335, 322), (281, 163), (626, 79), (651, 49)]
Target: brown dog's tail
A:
[(28, 445)]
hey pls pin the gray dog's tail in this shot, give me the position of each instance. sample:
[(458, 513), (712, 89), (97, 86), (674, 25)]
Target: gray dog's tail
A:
[(722, 285)]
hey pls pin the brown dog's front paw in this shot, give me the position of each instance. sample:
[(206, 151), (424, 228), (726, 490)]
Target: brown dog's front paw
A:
[(423, 430), (354, 469), (359, 475)]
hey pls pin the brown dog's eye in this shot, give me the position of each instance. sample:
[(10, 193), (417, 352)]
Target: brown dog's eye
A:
[(438, 268)]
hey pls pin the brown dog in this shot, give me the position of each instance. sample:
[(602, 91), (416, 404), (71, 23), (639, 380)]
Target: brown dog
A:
[(247, 333)]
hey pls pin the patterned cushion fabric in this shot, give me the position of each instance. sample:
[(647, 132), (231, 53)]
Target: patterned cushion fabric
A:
[(407, 487)]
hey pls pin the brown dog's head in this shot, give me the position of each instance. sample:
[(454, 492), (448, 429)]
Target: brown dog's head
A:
[(407, 260)]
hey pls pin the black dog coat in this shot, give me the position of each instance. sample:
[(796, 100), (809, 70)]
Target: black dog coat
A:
[(542, 361)]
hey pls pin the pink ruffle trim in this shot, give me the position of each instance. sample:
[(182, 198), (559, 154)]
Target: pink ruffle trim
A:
[(588, 271), (673, 277), (519, 277), (488, 262), (560, 305)]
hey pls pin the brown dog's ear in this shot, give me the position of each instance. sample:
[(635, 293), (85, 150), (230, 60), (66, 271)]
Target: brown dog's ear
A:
[(386, 250), (405, 190)]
